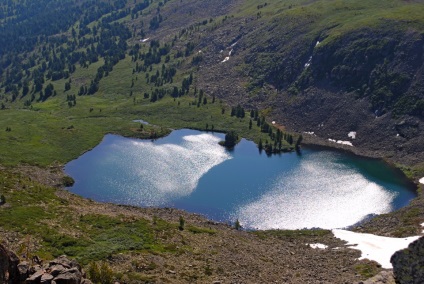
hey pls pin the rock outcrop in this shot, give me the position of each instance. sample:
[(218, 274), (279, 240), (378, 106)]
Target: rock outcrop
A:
[(58, 271), (408, 264)]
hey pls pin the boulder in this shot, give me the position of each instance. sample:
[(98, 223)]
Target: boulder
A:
[(56, 269), (69, 276), (23, 269), (35, 278), (46, 279), (9, 272), (408, 264)]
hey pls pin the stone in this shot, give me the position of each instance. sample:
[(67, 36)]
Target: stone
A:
[(408, 264), (86, 281), (69, 276), (56, 269), (23, 269), (9, 261), (4, 264), (62, 260), (46, 279), (35, 278)]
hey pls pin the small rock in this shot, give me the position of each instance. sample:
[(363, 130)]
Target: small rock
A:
[(70, 276), (57, 269), (46, 279), (23, 269), (35, 278)]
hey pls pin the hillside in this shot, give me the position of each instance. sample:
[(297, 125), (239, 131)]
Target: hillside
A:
[(72, 71)]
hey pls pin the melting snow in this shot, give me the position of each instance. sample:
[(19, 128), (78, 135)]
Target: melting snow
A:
[(318, 246), (317, 43), (422, 181), (273, 122), (226, 59), (377, 248), (144, 40), (352, 134), (310, 133), (341, 142)]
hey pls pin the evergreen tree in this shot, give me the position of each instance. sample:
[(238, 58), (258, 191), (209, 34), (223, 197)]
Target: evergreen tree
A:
[(230, 139)]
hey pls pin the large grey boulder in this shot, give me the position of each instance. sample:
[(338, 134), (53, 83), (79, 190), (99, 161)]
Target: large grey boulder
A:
[(408, 264)]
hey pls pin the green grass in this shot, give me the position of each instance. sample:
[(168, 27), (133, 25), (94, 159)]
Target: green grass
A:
[(35, 210), (53, 132), (293, 233)]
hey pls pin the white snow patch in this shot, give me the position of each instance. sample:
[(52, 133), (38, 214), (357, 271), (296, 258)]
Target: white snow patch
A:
[(318, 246), (226, 59), (199, 51), (307, 64), (234, 44), (144, 40), (317, 43), (422, 181), (348, 143), (229, 53), (352, 134), (221, 51), (422, 225), (377, 248), (310, 133), (397, 135), (273, 122)]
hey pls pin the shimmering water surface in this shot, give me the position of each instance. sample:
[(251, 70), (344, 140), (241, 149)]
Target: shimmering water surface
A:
[(189, 170)]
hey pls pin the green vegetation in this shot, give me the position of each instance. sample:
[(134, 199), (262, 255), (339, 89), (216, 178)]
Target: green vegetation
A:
[(292, 233), (367, 269), (35, 210)]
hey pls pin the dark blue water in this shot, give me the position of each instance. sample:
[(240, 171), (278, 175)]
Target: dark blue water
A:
[(189, 170)]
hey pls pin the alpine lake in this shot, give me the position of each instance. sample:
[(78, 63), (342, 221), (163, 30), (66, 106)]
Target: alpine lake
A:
[(189, 170)]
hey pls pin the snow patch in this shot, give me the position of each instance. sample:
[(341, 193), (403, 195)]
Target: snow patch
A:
[(377, 248), (273, 122), (348, 143), (307, 64), (352, 134), (318, 246), (318, 42), (226, 59), (422, 182), (234, 44), (144, 40), (310, 133)]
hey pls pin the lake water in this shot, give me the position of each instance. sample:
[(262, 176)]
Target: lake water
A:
[(189, 170)]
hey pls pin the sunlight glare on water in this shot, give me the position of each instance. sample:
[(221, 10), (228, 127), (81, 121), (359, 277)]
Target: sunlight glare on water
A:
[(159, 172), (331, 196)]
